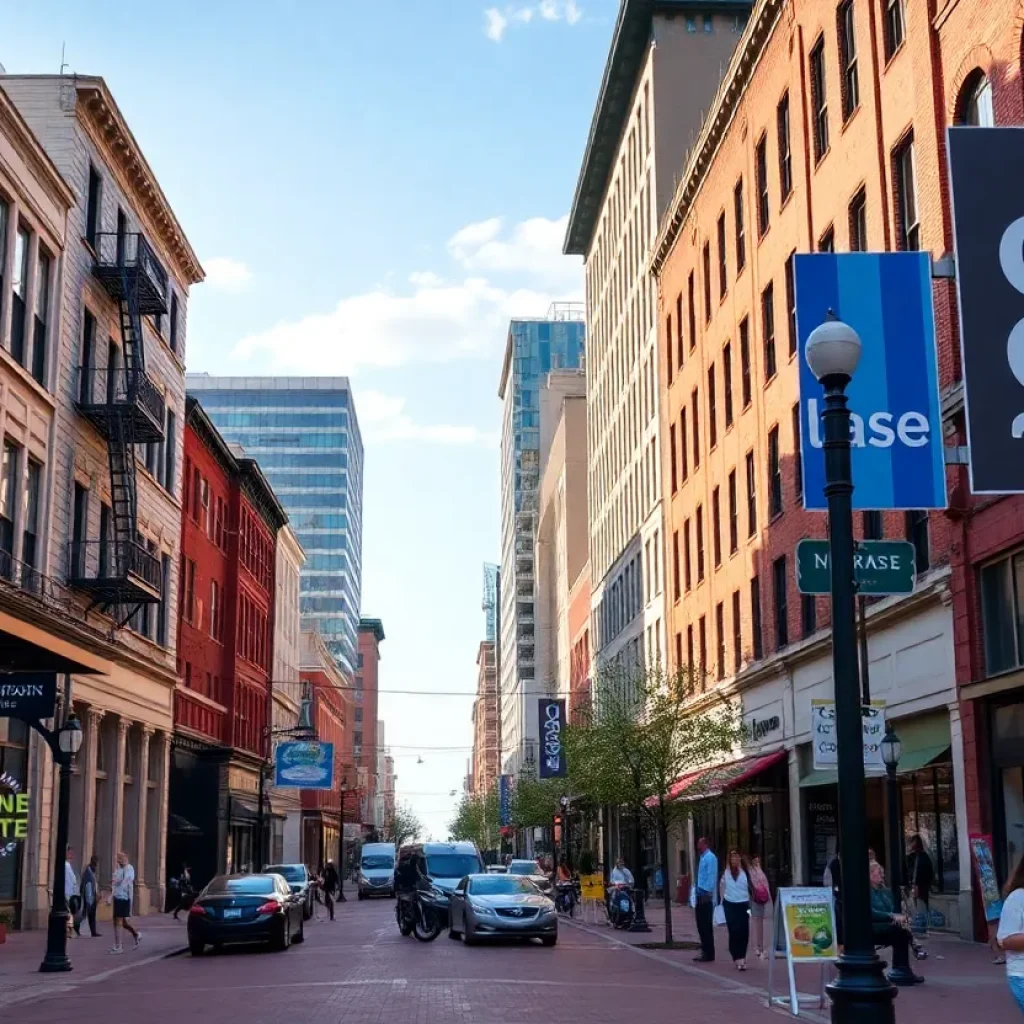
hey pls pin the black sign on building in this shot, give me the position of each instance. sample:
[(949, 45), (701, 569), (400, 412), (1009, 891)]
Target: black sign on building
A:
[(552, 743), (986, 166), (29, 696)]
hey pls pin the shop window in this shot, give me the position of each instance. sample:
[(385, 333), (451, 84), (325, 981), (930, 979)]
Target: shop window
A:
[(1002, 585), (928, 812)]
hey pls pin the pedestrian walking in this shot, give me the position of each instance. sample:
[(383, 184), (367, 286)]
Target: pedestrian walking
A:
[(736, 898), (921, 874), (90, 895), (122, 887), (185, 892), (1010, 934), (72, 895), (760, 898), (330, 883), (707, 880)]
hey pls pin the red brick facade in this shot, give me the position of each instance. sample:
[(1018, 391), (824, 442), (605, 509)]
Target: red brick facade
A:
[(371, 634)]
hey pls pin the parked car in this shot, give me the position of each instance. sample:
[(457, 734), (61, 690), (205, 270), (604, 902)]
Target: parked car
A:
[(299, 881), (245, 908), (376, 875), (496, 906), (532, 870)]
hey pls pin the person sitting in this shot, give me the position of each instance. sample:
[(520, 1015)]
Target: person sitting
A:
[(891, 929)]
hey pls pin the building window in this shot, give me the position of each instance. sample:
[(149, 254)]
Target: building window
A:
[(727, 382), (684, 453), (695, 422), (168, 466), (895, 26), (162, 623), (741, 231), (8, 507), (751, 496), (917, 534), (763, 211), (785, 153), (174, 322), (871, 522), (674, 457), (676, 588), (819, 102), (723, 283), (712, 408), (798, 459), (774, 474), (779, 589), (755, 617), (905, 165), (858, 215), (30, 526), (737, 633), (699, 527), (734, 515), (668, 347), (92, 208), (691, 310), (848, 58), (687, 573), (106, 533), (1002, 613), (79, 528), (689, 648), (702, 635), (43, 265), (716, 525), (707, 282), (791, 303), (808, 614), (215, 610), (720, 641), (19, 293), (827, 242), (768, 330), (975, 106), (189, 604), (679, 331), (745, 382)]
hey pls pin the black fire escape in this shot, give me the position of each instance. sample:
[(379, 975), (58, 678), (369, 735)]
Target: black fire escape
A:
[(126, 408)]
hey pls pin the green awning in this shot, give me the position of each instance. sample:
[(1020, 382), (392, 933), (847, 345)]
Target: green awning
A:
[(925, 739)]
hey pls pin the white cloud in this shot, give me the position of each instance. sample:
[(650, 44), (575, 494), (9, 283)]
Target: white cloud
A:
[(227, 275), (503, 274), (496, 19), (383, 418)]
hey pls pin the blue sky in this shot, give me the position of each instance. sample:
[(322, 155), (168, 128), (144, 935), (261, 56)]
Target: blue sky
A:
[(374, 189)]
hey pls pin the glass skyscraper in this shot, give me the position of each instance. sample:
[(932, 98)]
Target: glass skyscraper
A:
[(304, 434)]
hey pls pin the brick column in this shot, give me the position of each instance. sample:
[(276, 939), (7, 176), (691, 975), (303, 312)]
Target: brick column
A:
[(88, 759), (143, 883), (160, 793), (115, 776)]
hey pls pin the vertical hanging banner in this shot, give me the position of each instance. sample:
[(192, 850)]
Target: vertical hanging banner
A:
[(988, 234), (552, 742), (898, 460), (505, 800)]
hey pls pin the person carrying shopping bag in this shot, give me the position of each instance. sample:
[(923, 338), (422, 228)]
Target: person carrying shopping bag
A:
[(736, 898), (704, 901), (760, 898)]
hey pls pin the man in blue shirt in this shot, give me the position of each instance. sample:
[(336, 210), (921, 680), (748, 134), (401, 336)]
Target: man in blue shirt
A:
[(707, 881)]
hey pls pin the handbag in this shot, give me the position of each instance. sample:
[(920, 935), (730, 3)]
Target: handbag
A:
[(762, 894), (719, 915)]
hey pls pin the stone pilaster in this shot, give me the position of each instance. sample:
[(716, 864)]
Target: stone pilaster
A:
[(143, 883), (160, 792), (115, 777), (88, 758)]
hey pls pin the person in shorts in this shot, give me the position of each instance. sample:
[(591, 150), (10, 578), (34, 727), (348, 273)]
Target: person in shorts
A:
[(122, 886)]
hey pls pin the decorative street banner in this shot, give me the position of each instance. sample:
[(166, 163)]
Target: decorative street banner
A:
[(30, 696), (879, 567), (304, 765), (988, 234), (552, 747), (823, 735), (505, 800), (898, 459)]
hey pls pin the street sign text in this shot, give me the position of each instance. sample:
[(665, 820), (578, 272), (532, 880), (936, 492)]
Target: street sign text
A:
[(879, 567)]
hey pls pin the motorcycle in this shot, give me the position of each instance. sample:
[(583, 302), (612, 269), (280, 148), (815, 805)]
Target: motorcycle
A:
[(422, 914), (621, 907), (567, 896)]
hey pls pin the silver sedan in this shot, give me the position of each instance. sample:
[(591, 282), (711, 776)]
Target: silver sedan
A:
[(493, 906)]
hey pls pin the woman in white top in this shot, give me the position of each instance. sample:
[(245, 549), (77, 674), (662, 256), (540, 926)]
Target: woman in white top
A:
[(735, 890), (1010, 935)]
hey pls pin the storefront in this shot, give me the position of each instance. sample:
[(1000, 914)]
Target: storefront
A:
[(1006, 732), (13, 813)]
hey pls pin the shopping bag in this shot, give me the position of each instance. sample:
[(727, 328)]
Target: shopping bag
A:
[(693, 896), (719, 917)]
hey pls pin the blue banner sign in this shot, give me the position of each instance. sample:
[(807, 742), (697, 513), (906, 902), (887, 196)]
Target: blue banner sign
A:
[(552, 742), (505, 800), (896, 430), (304, 765)]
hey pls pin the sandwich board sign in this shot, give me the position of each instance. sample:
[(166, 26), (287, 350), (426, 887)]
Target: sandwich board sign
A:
[(804, 931)]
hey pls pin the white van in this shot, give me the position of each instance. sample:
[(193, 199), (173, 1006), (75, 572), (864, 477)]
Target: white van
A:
[(377, 870)]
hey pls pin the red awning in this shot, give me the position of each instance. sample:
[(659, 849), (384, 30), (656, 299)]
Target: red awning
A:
[(719, 778)]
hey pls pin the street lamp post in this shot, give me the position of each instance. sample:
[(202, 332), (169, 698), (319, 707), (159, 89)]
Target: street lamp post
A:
[(892, 750), (342, 898), (861, 994), (64, 743)]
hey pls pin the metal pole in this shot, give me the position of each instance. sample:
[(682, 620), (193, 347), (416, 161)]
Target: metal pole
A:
[(861, 994), (341, 848), (865, 686), (897, 975), (56, 959)]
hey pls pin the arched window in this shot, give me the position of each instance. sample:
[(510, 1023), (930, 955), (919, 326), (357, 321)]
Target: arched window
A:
[(975, 106)]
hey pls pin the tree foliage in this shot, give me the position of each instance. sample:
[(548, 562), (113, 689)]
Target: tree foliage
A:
[(477, 820), (401, 826), (643, 732)]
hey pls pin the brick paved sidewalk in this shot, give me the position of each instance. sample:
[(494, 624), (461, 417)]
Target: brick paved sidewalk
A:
[(963, 986), (91, 960)]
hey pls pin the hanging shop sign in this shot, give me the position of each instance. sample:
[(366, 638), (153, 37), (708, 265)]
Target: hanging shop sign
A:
[(805, 929), (552, 744), (304, 765), (29, 696), (823, 735)]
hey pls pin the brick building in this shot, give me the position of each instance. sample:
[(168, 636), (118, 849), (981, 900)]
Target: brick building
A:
[(826, 133), (222, 708), (364, 739), (484, 764)]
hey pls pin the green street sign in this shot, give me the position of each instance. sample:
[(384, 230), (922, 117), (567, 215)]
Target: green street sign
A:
[(880, 567)]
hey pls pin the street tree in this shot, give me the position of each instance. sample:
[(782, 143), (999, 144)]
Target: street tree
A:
[(478, 819), (401, 826), (643, 731)]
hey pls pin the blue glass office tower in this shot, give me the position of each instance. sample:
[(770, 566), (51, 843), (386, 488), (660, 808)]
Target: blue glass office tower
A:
[(533, 349), (304, 434)]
